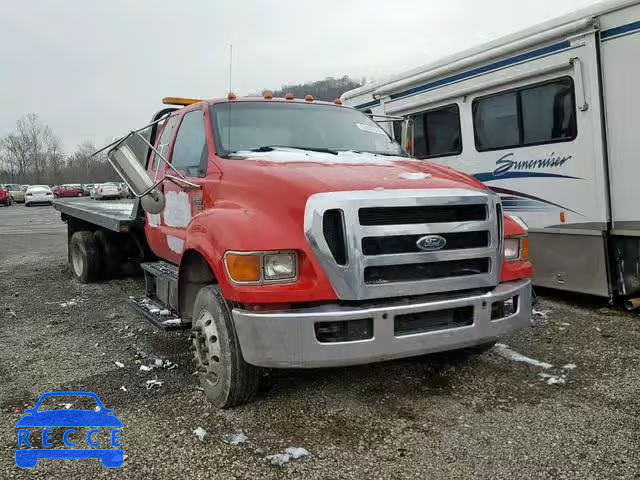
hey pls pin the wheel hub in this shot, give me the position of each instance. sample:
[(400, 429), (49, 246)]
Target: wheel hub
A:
[(77, 261), (206, 348)]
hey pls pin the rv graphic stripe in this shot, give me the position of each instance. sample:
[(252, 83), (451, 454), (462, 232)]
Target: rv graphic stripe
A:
[(490, 176), (633, 27), (524, 57), (514, 193)]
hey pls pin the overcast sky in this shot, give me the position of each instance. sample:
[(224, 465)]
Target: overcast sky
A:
[(96, 69)]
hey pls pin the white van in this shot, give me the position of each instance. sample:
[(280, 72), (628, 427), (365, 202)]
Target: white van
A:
[(548, 118)]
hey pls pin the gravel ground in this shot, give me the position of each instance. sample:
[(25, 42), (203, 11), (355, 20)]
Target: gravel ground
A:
[(432, 417)]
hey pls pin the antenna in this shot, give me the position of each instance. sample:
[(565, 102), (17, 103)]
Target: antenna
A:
[(230, 64), (229, 93)]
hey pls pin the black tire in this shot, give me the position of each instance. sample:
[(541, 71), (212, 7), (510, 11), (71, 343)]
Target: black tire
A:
[(227, 380), (110, 254), (84, 257)]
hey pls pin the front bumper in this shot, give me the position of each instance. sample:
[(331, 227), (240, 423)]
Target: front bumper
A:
[(287, 339)]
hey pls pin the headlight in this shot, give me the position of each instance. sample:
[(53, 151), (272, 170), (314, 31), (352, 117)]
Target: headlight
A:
[(279, 266), (262, 267), (516, 249)]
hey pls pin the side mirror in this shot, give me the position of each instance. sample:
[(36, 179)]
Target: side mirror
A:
[(127, 158)]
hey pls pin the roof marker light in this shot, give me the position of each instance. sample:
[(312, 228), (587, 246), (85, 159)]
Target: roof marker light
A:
[(337, 101), (308, 98), (231, 96), (267, 95), (289, 96)]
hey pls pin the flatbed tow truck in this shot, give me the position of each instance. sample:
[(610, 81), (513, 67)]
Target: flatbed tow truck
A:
[(292, 233)]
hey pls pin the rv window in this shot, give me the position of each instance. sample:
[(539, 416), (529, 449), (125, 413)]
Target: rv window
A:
[(436, 133), (190, 148), (533, 115)]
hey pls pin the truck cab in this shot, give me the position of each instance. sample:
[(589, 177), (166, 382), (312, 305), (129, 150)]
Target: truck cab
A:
[(293, 233)]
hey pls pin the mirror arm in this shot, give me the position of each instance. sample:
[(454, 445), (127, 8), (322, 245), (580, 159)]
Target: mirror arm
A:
[(167, 163), (181, 182)]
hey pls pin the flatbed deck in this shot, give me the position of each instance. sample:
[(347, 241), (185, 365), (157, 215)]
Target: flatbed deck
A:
[(115, 215)]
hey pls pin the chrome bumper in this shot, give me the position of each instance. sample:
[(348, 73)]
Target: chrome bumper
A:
[(287, 339)]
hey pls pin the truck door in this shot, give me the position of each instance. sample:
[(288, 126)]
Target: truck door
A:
[(188, 153)]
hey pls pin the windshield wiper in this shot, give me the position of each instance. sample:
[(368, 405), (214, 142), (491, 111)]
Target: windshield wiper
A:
[(271, 148), (380, 153)]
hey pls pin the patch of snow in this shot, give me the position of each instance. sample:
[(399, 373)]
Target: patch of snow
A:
[(164, 312), (294, 155), (70, 303), (176, 244), (296, 452), (235, 438), (290, 453), (565, 324), (119, 364), (97, 409), (67, 406), (153, 383), (540, 313), (200, 433), (569, 366), (553, 379), (172, 321), (145, 368), (414, 175), (177, 210), (158, 362), (123, 388), (504, 351), (278, 459)]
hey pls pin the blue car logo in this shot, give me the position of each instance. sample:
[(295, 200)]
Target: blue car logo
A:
[(104, 428)]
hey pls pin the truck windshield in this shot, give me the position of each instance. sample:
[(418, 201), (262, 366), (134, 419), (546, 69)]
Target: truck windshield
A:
[(261, 126)]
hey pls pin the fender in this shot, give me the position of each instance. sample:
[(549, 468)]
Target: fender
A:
[(514, 270), (230, 226)]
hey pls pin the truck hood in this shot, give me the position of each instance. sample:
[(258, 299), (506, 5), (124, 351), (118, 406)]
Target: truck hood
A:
[(292, 174)]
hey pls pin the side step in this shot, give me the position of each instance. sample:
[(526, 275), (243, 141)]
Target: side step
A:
[(161, 300), (157, 314)]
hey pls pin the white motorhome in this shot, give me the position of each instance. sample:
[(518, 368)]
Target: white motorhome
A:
[(548, 118)]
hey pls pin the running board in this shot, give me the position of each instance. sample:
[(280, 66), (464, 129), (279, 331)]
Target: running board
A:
[(157, 314), (161, 284)]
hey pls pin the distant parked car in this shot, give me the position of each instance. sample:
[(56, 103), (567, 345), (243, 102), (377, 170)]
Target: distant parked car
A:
[(72, 190), (16, 192), (24, 187), (86, 189), (106, 190), (38, 194), (5, 197)]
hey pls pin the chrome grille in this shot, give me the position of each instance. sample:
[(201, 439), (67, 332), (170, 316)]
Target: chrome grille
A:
[(378, 231)]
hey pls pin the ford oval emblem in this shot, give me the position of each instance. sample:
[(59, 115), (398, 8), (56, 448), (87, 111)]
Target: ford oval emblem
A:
[(431, 243)]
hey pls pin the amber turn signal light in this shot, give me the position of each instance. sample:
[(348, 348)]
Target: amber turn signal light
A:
[(525, 248), (244, 268)]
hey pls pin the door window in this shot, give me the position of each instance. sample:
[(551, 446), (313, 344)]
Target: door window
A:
[(190, 152)]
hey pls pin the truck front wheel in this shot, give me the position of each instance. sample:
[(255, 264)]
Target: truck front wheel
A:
[(226, 378)]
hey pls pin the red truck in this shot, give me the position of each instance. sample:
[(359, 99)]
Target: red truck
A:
[(293, 233)]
